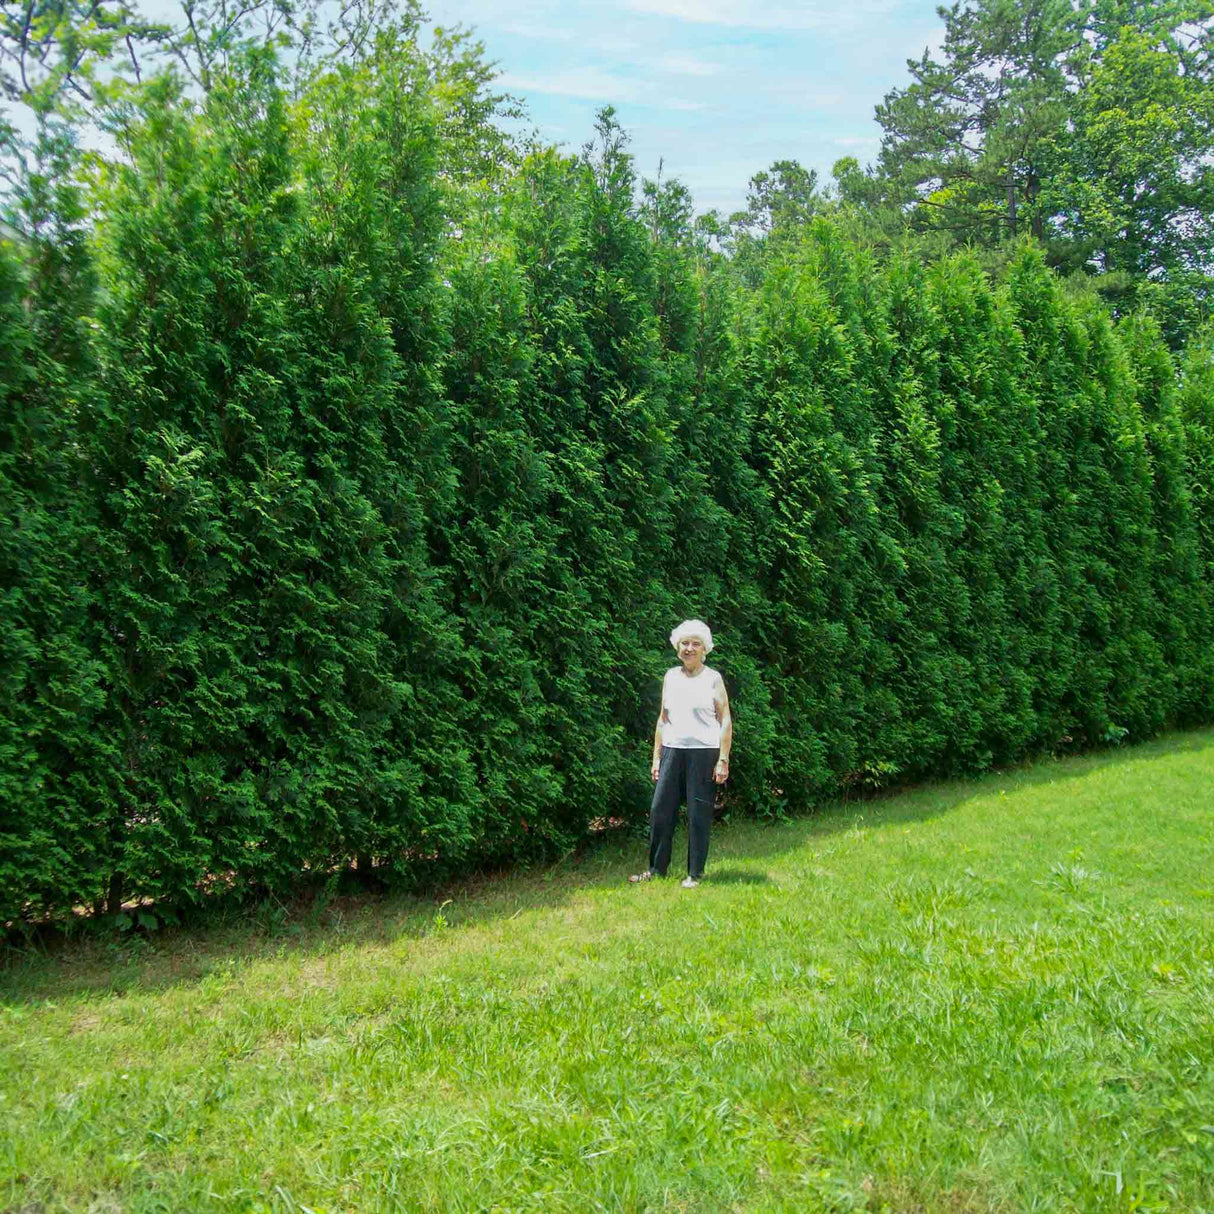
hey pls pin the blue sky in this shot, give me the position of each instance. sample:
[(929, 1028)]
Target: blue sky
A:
[(717, 88)]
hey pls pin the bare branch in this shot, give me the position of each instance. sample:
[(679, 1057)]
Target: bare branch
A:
[(205, 80), (130, 46), (25, 33)]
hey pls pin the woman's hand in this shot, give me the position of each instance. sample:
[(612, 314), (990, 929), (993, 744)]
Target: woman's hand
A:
[(720, 773), (656, 769)]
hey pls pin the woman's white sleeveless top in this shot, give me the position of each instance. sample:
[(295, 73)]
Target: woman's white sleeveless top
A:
[(689, 716)]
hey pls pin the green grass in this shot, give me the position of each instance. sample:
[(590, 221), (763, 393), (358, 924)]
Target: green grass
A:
[(987, 995)]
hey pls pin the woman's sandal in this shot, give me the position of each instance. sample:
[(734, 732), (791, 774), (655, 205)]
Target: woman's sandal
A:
[(636, 878)]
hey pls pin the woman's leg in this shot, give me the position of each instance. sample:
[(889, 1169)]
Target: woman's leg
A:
[(667, 794), (701, 796)]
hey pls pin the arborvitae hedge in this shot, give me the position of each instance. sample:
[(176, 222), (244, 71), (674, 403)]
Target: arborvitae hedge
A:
[(348, 516)]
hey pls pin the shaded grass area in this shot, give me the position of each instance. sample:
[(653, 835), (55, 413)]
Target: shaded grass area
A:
[(986, 995)]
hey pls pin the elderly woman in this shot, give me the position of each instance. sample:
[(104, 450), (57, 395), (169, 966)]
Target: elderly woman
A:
[(691, 746)]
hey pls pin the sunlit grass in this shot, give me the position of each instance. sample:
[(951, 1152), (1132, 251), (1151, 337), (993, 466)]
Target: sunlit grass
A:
[(986, 995)]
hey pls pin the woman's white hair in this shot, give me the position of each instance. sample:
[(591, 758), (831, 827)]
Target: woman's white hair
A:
[(693, 628)]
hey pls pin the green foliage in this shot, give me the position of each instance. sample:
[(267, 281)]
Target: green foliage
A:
[(358, 464), (967, 138), (575, 537), (964, 440), (1087, 125), (1196, 405), (52, 679), (1108, 666), (778, 200)]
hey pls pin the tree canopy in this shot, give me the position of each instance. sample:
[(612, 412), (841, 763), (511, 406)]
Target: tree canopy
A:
[(1087, 124)]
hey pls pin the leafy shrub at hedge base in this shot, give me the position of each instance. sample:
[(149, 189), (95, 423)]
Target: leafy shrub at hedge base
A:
[(352, 516)]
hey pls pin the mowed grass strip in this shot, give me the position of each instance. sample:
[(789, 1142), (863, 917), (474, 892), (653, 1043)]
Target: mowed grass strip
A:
[(988, 995)]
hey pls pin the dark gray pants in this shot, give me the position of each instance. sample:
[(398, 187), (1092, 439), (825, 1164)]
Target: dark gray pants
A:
[(683, 775)]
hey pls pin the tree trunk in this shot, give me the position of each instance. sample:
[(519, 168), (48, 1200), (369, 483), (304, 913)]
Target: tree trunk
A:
[(1031, 189), (113, 895), (1011, 205)]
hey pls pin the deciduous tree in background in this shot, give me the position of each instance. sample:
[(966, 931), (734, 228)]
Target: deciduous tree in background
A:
[(1088, 126)]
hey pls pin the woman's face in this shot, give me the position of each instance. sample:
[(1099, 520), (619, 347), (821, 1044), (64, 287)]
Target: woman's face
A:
[(691, 652)]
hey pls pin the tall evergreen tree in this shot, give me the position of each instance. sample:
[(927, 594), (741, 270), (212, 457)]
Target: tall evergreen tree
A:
[(1195, 402), (375, 431), (810, 446), (52, 686)]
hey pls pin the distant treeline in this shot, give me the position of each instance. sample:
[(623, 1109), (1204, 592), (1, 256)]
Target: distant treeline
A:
[(350, 490)]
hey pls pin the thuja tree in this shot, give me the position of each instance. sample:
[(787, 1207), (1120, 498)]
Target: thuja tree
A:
[(1196, 405), (987, 521), (263, 552), (629, 415), (203, 505), (722, 513), (52, 690), (918, 421), (1181, 611), (819, 560), (1106, 676), (502, 543), (947, 410), (873, 558), (559, 376), (375, 426)]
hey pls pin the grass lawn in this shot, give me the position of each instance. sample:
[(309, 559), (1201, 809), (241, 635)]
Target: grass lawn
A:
[(992, 995)]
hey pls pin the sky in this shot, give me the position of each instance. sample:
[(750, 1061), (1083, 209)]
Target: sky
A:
[(715, 89)]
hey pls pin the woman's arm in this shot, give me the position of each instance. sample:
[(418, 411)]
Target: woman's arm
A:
[(656, 765), (721, 704)]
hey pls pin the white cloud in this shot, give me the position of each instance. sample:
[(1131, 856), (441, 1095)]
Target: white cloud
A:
[(546, 33), (756, 14), (589, 83), (686, 65), (594, 84), (812, 102)]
